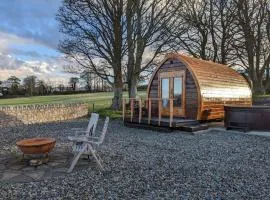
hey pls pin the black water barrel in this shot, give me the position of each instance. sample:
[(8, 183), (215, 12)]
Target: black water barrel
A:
[(247, 117)]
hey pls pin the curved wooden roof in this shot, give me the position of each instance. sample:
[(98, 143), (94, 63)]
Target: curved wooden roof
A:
[(215, 81)]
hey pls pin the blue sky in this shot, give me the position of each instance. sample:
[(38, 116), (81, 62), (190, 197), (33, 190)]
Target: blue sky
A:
[(28, 40)]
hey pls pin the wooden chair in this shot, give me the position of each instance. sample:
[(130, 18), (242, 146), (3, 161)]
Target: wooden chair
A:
[(86, 145), (91, 128)]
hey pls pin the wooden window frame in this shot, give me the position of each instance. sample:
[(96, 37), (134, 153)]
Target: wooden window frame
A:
[(171, 75)]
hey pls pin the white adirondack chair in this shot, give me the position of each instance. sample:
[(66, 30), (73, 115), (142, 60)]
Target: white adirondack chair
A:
[(86, 145), (91, 128)]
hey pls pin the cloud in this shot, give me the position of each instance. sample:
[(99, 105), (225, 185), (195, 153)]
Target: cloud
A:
[(28, 40), (6, 39), (21, 52), (19, 46), (9, 62), (52, 79), (31, 19), (16, 60), (50, 69)]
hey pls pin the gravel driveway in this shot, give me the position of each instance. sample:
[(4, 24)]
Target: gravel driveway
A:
[(143, 164)]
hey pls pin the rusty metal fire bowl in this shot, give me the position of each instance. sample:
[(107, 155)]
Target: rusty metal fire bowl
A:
[(36, 145)]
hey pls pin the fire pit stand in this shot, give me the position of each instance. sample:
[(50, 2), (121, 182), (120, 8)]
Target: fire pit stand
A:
[(37, 146)]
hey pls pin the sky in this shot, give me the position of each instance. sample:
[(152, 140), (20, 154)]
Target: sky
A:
[(28, 40)]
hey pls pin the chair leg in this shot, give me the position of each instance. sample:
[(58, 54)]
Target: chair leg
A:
[(95, 156), (75, 159)]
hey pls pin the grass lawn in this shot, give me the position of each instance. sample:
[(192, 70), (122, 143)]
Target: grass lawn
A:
[(98, 102), (261, 96)]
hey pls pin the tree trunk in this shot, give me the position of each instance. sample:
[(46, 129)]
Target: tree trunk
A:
[(258, 87), (132, 87), (267, 80), (117, 91)]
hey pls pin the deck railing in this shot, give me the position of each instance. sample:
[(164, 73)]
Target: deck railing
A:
[(145, 104)]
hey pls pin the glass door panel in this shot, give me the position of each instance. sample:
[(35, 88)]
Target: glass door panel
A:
[(165, 92), (177, 91), (171, 87)]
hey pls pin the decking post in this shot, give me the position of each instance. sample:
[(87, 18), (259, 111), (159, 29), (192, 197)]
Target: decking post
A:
[(159, 111), (171, 112), (149, 110), (124, 108), (131, 109), (140, 110)]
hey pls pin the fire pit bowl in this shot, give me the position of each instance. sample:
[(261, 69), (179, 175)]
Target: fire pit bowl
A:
[(36, 145)]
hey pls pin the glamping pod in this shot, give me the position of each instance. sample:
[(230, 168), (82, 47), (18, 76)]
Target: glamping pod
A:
[(191, 88)]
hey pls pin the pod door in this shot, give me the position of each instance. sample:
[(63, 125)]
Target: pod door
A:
[(172, 88)]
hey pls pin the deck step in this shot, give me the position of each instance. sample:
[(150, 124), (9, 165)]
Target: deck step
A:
[(194, 128), (148, 127), (189, 125), (179, 124)]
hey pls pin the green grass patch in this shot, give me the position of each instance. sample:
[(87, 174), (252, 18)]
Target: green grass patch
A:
[(98, 98), (97, 102), (110, 113), (261, 96)]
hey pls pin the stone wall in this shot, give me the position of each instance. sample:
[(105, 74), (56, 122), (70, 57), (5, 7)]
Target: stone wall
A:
[(32, 114)]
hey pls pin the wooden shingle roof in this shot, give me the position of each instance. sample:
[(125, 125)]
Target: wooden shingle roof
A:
[(215, 80)]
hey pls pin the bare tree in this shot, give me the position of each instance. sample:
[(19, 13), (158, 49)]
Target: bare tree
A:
[(194, 19), (15, 83), (222, 29), (61, 87), (30, 83), (73, 82), (147, 24), (252, 43), (94, 31), (205, 29), (87, 77), (42, 87), (104, 35), (50, 86)]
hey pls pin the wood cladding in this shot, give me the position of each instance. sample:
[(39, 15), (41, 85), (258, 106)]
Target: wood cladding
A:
[(208, 86), (191, 97)]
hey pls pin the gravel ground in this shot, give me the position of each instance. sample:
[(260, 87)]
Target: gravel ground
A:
[(143, 164)]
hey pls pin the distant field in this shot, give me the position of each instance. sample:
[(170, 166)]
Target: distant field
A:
[(101, 100), (97, 101)]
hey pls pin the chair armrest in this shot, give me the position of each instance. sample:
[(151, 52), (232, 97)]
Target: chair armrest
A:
[(77, 139), (78, 133), (94, 138), (98, 132), (77, 129), (92, 142), (84, 139)]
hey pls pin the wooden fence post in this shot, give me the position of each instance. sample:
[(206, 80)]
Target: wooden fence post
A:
[(131, 109), (149, 110), (124, 109), (159, 111), (171, 112), (140, 110)]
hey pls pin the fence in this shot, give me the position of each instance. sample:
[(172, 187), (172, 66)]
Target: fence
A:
[(11, 116), (138, 109), (19, 115)]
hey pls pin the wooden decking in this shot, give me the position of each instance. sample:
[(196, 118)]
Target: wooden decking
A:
[(165, 121), (164, 124), (142, 116)]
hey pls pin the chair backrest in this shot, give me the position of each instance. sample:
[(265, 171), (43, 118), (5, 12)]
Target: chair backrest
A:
[(92, 125), (104, 130)]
